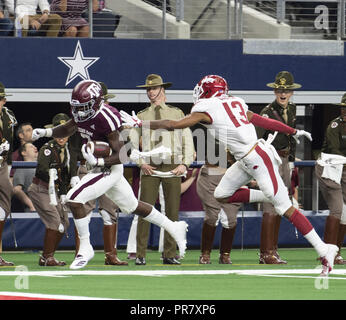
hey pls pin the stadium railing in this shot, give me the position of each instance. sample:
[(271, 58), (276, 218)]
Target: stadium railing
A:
[(215, 19), (308, 194)]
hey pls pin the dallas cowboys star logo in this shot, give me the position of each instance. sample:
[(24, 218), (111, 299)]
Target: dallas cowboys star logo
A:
[(78, 64)]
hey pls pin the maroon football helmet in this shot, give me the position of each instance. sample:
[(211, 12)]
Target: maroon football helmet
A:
[(85, 100), (210, 86)]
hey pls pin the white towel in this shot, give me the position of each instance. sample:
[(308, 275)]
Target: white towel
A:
[(167, 174), (332, 166)]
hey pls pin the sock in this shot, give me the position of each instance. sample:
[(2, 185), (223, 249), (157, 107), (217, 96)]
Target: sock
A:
[(82, 226), (159, 219), (241, 195), (304, 226), (257, 196)]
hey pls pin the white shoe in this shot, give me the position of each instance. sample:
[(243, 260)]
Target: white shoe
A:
[(180, 236), (82, 258), (328, 260)]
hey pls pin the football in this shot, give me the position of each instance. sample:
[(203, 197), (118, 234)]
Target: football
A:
[(100, 149)]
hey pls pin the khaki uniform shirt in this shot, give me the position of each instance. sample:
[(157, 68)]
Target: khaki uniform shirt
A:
[(180, 141), (282, 141)]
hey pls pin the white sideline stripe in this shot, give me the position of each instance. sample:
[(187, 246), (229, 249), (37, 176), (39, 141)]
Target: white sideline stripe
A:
[(57, 273), (50, 296)]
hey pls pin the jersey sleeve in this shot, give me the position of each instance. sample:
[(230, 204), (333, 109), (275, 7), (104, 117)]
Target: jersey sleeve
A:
[(204, 106), (110, 120), (200, 106)]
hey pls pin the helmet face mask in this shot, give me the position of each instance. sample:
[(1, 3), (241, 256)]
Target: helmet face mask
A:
[(82, 111), (210, 86), (86, 99)]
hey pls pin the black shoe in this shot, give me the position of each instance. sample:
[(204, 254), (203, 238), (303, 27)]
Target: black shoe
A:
[(171, 261), (140, 262)]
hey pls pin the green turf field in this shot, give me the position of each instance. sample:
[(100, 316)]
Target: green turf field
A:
[(245, 279)]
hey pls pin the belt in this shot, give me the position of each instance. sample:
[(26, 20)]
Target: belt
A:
[(253, 148), (38, 181)]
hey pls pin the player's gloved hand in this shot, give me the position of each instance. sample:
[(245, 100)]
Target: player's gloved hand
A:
[(40, 133), (90, 158), (130, 121), (135, 155), (74, 181), (63, 199), (4, 147), (300, 133)]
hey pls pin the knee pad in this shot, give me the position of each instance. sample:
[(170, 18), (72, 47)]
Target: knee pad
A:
[(2, 214), (107, 220)]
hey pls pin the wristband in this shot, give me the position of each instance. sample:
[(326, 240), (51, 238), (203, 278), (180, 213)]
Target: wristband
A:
[(49, 132)]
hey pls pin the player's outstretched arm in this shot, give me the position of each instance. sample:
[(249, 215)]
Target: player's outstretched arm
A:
[(274, 125), (186, 122), (64, 130)]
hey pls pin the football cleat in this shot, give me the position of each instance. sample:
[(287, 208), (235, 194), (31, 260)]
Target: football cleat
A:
[(82, 258), (180, 236), (327, 261)]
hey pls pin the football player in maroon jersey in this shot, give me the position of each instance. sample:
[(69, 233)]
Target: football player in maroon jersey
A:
[(96, 120)]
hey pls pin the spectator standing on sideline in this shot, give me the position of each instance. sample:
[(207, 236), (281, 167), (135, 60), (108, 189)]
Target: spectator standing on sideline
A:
[(281, 109), (7, 123), (256, 158), (331, 173), (22, 178), (154, 170), (23, 134), (73, 24), (57, 155), (131, 242)]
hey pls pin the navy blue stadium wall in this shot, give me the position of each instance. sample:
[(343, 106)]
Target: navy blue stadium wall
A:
[(43, 63), (123, 64), (30, 232)]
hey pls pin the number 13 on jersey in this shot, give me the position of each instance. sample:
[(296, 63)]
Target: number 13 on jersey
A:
[(236, 113)]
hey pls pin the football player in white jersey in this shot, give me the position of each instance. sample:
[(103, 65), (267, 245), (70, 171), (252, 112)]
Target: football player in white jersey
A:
[(229, 120), (96, 120)]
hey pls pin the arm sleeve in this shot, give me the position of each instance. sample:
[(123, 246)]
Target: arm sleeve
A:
[(271, 124)]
